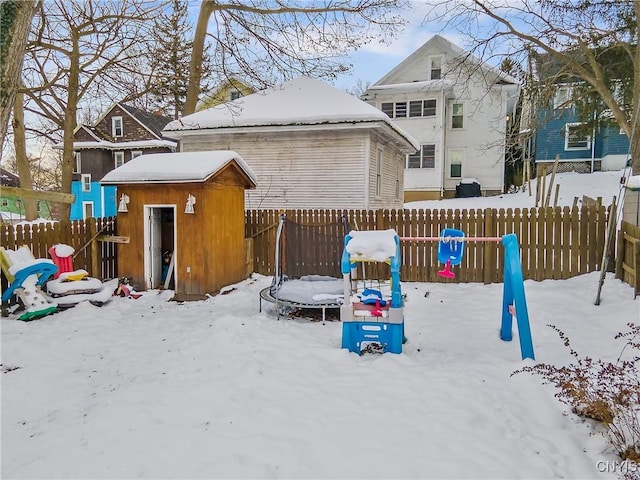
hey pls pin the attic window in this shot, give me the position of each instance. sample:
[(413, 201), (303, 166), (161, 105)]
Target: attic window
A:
[(116, 127), (562, 97), (435, 68), (234, 95)]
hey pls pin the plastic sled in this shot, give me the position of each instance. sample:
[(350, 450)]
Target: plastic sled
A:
[(450, 250)]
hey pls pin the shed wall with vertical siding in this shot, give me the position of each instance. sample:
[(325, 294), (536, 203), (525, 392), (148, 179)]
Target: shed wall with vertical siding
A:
[(210, 242)]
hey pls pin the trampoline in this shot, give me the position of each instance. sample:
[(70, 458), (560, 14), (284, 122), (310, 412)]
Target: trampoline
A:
[(307, 266)]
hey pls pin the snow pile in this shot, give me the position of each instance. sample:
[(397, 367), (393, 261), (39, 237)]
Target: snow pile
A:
[(378, 245)]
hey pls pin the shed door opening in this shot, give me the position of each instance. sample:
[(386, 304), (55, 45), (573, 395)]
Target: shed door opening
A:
[(159, 250)]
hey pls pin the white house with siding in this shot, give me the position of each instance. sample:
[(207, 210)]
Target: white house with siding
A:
[(457, 108), (309, 144)]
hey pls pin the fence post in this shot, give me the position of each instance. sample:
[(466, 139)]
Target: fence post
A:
[(379, 219), (636, 268), (489, 261), (95, 248), (620, 254)]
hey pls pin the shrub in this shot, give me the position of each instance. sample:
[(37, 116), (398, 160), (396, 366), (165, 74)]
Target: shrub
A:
[(603, 391)]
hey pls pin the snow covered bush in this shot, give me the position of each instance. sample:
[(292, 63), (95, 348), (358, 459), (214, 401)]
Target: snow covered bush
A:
[(603, 391)]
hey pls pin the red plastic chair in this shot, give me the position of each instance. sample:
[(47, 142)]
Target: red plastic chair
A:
[(64, 264)]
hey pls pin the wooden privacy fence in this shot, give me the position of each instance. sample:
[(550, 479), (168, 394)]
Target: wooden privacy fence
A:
[(97, 258), (628, 256), (555, 243)]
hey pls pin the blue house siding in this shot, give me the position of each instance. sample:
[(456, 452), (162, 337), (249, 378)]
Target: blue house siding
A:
[(550, 138), (103, 199), (606, 148), (613, 142)]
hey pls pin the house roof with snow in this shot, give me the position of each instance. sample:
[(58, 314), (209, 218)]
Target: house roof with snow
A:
[(438, 43), (181, 167), (303, 101), (100, 137), (8, 179)]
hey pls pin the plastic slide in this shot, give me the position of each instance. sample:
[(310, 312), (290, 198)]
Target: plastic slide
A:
[(26, 274)]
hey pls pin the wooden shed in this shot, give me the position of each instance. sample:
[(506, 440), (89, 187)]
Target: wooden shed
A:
[(191, 205)]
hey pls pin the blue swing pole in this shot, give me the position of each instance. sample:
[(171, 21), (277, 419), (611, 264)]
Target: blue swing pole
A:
[(513, 294), (513, 301)]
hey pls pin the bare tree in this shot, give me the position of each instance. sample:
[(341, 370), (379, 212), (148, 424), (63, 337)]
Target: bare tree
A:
[(22, 163), (359, 88), (16, 18), (574, 35), (265, 41), (80, 50)]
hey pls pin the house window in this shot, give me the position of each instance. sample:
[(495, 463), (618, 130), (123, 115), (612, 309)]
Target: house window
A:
[(87, 210), (429, 108), (135, 153), (5, 202), (457, 115), (422, 108), (234, 95), (562, 97), (379, 173), (116, 127), (414, 109), (86, 182), (423, 158), (401, 110), (435, 68), (77, 167), (455, 163), (118, 159), (574, 137)]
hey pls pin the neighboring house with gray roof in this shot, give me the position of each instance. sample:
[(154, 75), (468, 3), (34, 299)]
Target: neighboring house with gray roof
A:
[(310, 145), (122, 133)]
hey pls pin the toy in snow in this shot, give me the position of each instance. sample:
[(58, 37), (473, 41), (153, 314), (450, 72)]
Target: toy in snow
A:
[(70, 287), (125, 289)]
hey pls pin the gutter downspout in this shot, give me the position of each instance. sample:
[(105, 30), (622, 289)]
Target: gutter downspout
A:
[(503, 100), (443, 140), (367, 170)]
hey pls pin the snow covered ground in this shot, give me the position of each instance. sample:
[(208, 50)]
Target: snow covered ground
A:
[(599, 184), (151, 388)]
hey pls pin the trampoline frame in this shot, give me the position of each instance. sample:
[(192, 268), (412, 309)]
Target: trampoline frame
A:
[(265, 294)]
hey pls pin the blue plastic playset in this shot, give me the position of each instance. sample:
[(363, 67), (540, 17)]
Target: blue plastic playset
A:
[(370, 319)]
